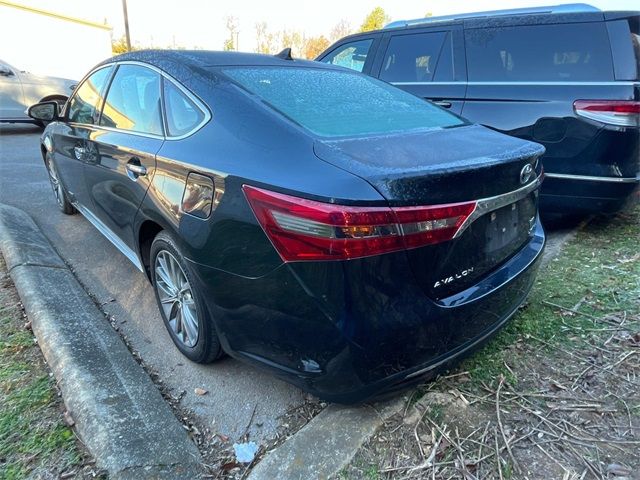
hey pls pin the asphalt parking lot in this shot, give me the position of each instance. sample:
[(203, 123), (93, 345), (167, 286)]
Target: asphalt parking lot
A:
[(238, 395)]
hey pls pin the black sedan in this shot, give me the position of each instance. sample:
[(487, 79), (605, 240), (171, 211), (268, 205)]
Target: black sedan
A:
[(339, 232)]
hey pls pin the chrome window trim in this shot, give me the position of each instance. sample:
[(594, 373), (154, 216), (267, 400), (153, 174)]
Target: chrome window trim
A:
[(590, 178), (67, 104), (199, 103), (559, 83), (489, 204), (109, 235), (118, 130)]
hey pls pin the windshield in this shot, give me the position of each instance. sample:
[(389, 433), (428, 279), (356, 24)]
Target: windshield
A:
[(333, 103)]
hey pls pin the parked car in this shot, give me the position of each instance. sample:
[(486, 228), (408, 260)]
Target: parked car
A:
[(319, 223), (19, 90), (565, 77)]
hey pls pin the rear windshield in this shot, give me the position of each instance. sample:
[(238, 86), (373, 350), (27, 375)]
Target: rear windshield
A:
[(333, 103), (555, 53)]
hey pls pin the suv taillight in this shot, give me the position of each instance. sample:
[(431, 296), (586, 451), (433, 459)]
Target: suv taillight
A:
[(624, 113), (302, 229)]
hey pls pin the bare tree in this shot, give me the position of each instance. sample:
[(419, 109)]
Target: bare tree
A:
[(231, 43), (340, 29), (266, 42), (295, 40)]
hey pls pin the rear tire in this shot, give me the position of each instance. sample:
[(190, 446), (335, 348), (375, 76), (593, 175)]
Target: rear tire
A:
[(181, 303), (61, 196)]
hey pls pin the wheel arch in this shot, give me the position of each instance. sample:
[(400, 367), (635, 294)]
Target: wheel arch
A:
[(146, 233)]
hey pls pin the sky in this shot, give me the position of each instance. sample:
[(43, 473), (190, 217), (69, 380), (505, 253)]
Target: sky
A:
[(201, 23)]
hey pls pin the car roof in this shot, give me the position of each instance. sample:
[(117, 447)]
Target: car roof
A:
[(540, 15), (190, 67), (551, 9), (210, 58)]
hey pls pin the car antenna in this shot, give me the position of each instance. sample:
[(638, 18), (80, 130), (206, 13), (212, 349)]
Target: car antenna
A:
[(284, 54)]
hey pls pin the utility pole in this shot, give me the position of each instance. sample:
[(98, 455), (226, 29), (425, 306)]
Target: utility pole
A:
[(126, 24)]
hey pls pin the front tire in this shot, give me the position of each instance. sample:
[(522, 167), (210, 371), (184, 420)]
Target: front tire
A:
[(58, 190), (181, 305)]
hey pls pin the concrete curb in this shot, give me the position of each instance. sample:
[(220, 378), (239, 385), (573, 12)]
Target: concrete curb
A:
[(326, 444), (119, 413)]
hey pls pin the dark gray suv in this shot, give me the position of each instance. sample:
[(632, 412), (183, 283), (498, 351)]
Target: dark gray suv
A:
[(564, 76)]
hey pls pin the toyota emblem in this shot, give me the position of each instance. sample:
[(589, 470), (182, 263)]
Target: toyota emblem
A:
[(525, 173)]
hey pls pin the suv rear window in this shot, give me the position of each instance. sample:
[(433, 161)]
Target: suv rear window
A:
[(555, 53), (335, 103)]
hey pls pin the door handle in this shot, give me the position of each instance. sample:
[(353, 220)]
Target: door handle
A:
[(135, 168), (443, 103)]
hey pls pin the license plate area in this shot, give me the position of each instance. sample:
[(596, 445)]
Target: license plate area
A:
[(502, 227)]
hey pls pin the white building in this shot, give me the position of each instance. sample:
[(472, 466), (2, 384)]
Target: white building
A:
[(48, 43)]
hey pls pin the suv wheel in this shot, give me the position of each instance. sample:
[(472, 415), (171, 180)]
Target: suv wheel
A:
[(181, 306), (58, 189)]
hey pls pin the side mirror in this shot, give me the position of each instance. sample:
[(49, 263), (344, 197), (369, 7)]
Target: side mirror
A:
[(6, 72), (44, 112)]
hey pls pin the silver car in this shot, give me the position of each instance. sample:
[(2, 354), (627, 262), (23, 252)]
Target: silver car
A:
[(19, 90)]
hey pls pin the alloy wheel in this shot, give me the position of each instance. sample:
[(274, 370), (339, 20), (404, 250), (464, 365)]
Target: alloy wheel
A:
[(176, 298), (55, 182)]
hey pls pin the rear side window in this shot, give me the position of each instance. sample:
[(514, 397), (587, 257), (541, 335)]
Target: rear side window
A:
[(351, 55), (87, 100), (183, 115), (133, 101), (555, 53), (417, 58), (334, 103)]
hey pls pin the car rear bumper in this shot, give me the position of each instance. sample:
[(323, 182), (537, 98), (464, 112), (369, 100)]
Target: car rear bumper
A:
[(348, 331), (585, 194)]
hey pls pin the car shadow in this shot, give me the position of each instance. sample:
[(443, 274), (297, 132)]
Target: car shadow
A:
[(19, 129)]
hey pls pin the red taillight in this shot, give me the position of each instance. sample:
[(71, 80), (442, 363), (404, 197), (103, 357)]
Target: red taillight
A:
[(303, 229), (625, 113)]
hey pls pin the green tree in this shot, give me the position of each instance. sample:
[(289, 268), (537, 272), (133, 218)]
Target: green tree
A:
[(377, 19)]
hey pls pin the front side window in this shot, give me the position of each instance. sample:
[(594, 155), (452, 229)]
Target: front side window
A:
[(417, 57), (86, 102), (351, 55), (183, 115), (133, 101), (335, 103), (554, 53)]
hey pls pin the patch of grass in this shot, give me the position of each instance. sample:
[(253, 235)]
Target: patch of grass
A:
[(34, 440), (372, 472), (436, 413), (597, 273)]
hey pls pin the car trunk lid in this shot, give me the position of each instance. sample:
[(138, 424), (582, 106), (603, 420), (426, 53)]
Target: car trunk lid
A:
[(445, 166)]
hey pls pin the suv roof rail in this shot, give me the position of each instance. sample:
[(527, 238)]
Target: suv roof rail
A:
[(566, 8)]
